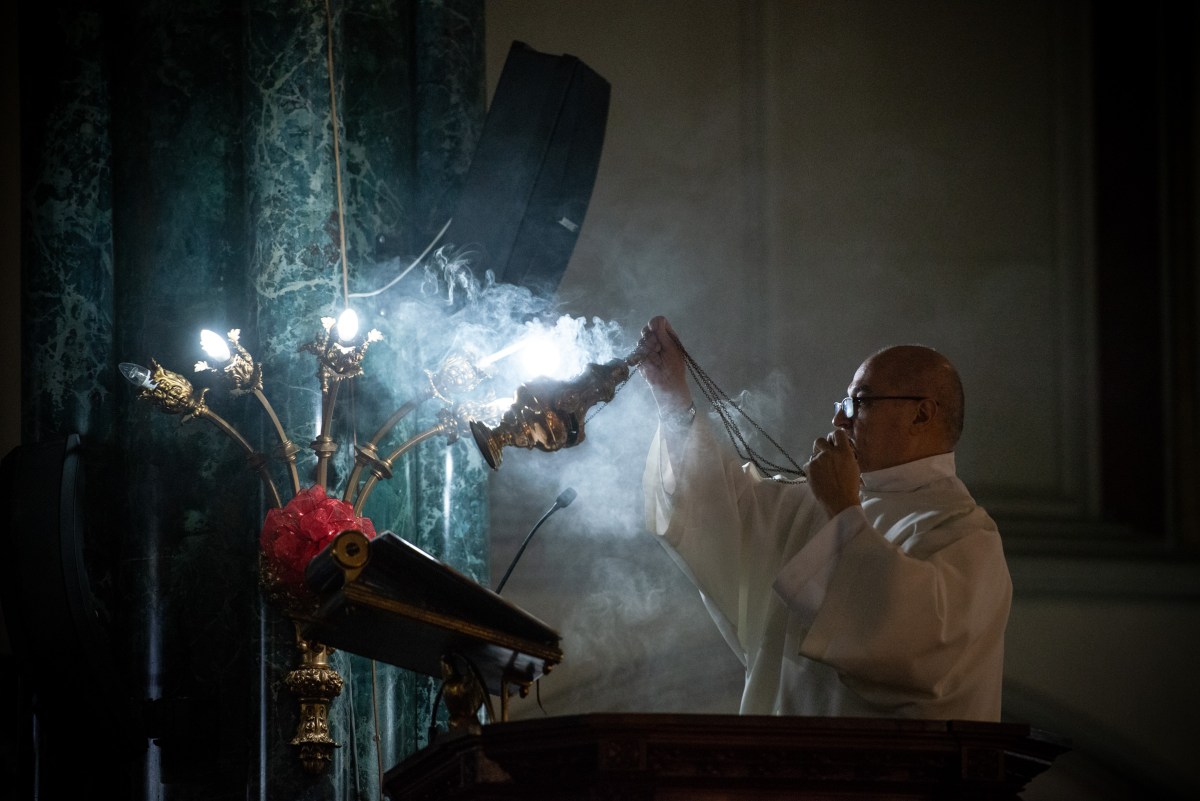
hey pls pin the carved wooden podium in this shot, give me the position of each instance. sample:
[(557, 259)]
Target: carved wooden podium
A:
[(726, 758)]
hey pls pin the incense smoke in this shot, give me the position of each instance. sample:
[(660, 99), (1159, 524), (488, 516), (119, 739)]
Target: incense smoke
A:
[(594, 574)]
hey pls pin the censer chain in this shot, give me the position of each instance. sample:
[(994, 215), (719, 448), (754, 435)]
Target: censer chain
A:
[(722, 404)]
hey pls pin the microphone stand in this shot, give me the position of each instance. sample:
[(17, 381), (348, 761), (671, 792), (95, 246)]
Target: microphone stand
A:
[(564, 499)]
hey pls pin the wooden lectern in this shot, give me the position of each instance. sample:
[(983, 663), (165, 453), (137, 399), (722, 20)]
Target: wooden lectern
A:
[(388, 600)]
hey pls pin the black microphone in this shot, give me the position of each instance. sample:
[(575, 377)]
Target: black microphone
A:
[(563, 500)]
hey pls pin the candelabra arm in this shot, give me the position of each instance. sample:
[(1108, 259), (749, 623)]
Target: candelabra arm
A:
[(256, 459), (324, 446), (174, 394), (386, 464), (369, 454), (335, 363), (457, 375), (287, 449)]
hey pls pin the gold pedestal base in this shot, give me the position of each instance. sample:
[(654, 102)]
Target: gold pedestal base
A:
[(316, 684)]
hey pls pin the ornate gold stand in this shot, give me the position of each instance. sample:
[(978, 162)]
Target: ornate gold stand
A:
[(463, 695), (315, 684)]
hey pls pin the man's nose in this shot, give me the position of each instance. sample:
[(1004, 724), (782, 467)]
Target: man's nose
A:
[(840, 420)]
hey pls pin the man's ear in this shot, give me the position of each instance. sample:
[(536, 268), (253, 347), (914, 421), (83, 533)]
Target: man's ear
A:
[(927, 411)]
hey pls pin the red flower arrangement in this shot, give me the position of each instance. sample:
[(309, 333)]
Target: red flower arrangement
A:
[(293, 535)]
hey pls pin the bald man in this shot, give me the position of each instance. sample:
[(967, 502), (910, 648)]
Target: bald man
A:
[(878, 587)]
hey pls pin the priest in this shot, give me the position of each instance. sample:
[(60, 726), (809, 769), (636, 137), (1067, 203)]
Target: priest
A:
[(873, 586)]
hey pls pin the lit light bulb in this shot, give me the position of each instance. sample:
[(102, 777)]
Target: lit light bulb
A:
[(137, 375), (541, 356), (214, 345), (347, 325)]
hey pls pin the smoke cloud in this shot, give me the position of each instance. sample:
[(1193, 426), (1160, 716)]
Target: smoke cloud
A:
[(594, 574)]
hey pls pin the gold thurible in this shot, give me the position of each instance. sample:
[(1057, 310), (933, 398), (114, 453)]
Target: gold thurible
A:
[(550, 414)]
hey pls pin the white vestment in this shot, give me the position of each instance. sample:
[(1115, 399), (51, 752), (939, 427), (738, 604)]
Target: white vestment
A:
[(895, 608)]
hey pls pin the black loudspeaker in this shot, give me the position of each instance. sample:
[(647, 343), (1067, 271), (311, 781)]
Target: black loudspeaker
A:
[(527, 191)]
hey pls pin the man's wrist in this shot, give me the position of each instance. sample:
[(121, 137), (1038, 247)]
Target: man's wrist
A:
[(679, 418)]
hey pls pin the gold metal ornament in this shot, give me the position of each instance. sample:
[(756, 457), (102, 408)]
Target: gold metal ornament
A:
[(550, 415), (464, 695), (173, 393), (247, 378), (315, 683), (456, 377), (240, 367), (335, 361)]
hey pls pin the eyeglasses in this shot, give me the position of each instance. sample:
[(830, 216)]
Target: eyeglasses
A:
[(849, 406)]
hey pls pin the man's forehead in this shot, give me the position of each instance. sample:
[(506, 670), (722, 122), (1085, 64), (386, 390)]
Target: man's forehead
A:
[(888, 372), (863, 377)]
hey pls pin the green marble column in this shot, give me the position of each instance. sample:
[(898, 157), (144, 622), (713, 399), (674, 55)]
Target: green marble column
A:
[(67, 271), (191, 502), (182, 177)]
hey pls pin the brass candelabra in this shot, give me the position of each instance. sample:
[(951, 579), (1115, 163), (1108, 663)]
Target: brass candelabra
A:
[(339, 353)]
